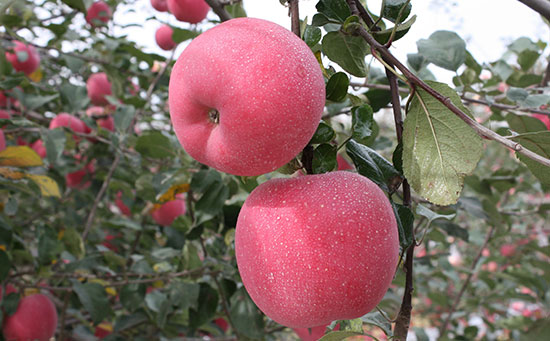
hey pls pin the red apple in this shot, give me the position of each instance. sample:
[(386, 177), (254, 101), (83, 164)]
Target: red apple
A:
[(98, 87), (305, 334), (544, 118), (39, 148), (5, 114), (2, 140), (343, 164), (163, 36), (72, 122), (160, 5), (169, 211), (102, 117), (244, 107), (98, 14), (317, 248), (121, 205), (507, 250), (24, 58), (3, 99), (35, 319), (80, 179), (191, 11), (103, 330), (222, 323)]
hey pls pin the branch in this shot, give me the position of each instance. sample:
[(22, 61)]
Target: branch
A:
[(219, 9), (294, 13), (471, 273), (540, 6), (546, 78)]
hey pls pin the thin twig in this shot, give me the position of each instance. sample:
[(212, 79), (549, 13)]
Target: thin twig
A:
[(219, 9), (294, 13), (471, 273), (546, 78)]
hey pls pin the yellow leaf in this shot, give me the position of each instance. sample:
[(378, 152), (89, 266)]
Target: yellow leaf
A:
[(11, 174), (109, 290), (36, 76), (171, 193), (60, 234), (30, 291), (3, 247), (106, 326), (21, 156), (158, 284), (48, 187)]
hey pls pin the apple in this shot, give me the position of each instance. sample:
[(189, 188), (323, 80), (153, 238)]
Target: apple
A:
[(246, 96), (9, 289), (160, 5), (121, 205), (343, 164), (103, 330), (98, 14), (98, 86), (191, 11), (507, 250), (222, 323), (163, 36), (5, 114), (312, 334), (80, 179), (38, 147), (169, 211), (2, 140), (544, 118), (35, 319), (317, 248), (3, 99), (24, 58), (72, 122)]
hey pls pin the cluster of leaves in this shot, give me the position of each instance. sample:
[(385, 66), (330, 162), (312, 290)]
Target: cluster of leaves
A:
[(144, 281)]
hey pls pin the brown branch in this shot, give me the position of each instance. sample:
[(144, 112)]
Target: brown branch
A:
[(294, 13), (362, 12), (546, 78), (219, 9), (471, 273), (540, 6)]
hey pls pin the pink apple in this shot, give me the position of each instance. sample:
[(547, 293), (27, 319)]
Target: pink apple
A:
[(169, 211), (507, 250), (544, 118), (98, 14), (2, 140), (5, 114), (72, 122), (3, 99), (305, 334), (317, 248), (35, 319), (163, 36), (80, 179), (23, 58), (343, 164), (98, 87), (191, 11), (244, 107), (121, 205), (38, 147), (160, 5)]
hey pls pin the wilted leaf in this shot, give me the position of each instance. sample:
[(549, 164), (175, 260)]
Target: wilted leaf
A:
[(48, 186), (20, 156)]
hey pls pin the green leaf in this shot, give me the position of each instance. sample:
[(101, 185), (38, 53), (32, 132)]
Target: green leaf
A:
[(517, 94), (180, 35), (10, 303), (246, 317), (76, 97), (73, 63), (439, 149), (185, 295), (334, 9), (383, 36), (155, 299), (323, 134), (362, 122), (76, 4), (319, 19), (378, 98), (338, 335), (312, 35), (392, 8), (416, 61), (453, 229), (154, 144), (32, 102), (535, 101), (214, 194), (123, 117), (444, 49), (5, 265), (502, 69), (537, 142), (54, 140), (132, 296), (375, 318), (524, 124), (347, 51), (405, 224), (372, 165), (527, 59), (94, 299), (125, 322), (337, 87), (208, 302), (236, 10), (73, 242), (324, 158)]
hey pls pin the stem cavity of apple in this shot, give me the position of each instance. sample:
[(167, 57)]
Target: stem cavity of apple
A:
[(214, 116)]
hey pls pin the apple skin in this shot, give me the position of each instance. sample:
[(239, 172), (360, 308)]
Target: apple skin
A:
[(169, 211), (9, 289), (98, 14), (76, 179), (38, 147), (191, 11), (125, 210), (35, 319), (544, 118), (163, 36), (317, 248), (507, 250), (5, 114), (30, 64), (343, 164), (267, 87), (3, 99), (160, 5), (72, 122), (98, 86)]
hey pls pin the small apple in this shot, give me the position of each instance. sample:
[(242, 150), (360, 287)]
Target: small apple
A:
[(507, 250), (35, 319), (343, 164), (169, 211), (72, 122), (24, 58), (98, 86), (80, 179), (317, 248), (38, 147), (243, 107), (312, 334), (102, 117), (160, 5), (98, 14), (163, 36), (121, 205), (5, 114), (544, 118), (191, 11)]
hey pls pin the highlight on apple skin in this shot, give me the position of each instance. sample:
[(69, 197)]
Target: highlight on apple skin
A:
[(163, 37), (191, 11), (98, 86), (98, 14), (35, 319), (23, 58), (246, 96), (317, 248), (169, 211)]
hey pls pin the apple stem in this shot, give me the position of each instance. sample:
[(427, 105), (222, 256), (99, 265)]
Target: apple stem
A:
[(214, 116)]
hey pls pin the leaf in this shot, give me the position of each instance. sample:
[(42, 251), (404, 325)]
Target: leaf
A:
[(123, 117), (180, 35), (537, 142), (378, 98), (517, 94), (75, 96), (524, 124), (334, 9), (337, 87), (48, 186), (312, 35), (338, 335), (20, 156), (439, 149), (347, 51), (324, 158), (54, 141), (392, 8), (375, 318), (32, 102), (444, 49), (76, 4), (132, 296), (372, 165), (362, 122), (405, 224), (246, 317), (94, 299), (431, 215), (323, 134), (185, 295), (383, 36), (171, 193), (5, 266), (155, 145), (453, 229), (236, 10), (208, 302), (214, 193)]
